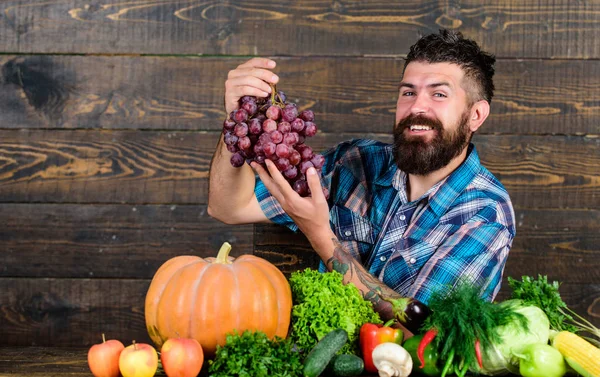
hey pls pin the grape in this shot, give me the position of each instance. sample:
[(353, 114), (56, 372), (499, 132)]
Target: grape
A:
[(230, 139), (250, 107), (264, 138), (273, 112), (297, 125), (306, 152), (237, 160), (269, 125), (255, 126), (284, 127), (257, 147), (282, 164), (276, 137), (269, 148), (260, 158), (301, 187), (295, 158), (291, 138), (240, 115), (271, 128), (228, 125), (289, 113), (318, 161), (283, 151), (241, 129), (281, 96), (244, 143), (310, 129), (305, 165), (307, 115), (291, 172)]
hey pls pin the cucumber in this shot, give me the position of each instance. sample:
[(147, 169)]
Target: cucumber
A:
[(346, 366), (322, 353)]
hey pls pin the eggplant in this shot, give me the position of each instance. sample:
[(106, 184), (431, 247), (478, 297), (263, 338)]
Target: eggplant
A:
[(410, 312)]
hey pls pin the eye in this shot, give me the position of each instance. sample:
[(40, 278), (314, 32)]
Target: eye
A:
[(408, 94), (440, 95)]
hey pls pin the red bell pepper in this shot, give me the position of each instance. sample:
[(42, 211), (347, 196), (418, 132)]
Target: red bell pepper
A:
[(372, 335)]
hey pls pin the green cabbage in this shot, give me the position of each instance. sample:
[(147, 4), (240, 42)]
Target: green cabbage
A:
[(501, 359), (323, 303)]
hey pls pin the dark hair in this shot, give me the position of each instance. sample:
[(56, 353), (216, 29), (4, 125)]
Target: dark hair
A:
[(451, 47)]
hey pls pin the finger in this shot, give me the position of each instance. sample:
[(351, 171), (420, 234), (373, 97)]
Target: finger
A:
[(259, 63), (245, 84), (267, 180), (284, 187), (263, 74), (314, 183)]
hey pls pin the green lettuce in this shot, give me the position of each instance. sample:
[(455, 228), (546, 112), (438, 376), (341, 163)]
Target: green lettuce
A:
[(323, 303), (502, 357)]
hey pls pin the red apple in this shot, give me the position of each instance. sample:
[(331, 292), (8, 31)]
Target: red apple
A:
[(181, 357), (103, 358), (138, 360)]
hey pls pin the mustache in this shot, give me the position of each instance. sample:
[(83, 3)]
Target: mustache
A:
[(413, 120)]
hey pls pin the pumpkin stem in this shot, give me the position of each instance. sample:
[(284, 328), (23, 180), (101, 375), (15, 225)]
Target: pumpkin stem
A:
[(224, 253)]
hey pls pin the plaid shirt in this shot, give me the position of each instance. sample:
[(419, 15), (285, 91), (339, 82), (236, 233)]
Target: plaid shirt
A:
[(463, 226)]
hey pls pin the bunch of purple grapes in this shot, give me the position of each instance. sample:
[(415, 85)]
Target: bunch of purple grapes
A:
[(271, 128)]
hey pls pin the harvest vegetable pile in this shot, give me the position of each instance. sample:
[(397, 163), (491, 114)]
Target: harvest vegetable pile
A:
[(193, 312)]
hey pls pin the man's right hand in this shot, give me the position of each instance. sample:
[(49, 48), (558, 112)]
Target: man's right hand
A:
[(251, 78)]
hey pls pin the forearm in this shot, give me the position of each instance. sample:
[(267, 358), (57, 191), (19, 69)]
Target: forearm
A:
[(338, 259), (230, 189)]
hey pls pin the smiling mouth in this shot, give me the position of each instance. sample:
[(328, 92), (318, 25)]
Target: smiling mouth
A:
[(417, 128)]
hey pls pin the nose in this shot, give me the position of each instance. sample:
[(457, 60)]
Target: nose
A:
[(420, 104)]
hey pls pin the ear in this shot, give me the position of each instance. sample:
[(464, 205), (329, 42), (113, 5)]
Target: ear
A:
[(479, 113)]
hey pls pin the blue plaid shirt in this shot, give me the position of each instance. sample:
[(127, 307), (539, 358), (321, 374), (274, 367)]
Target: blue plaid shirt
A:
[(463, 226)]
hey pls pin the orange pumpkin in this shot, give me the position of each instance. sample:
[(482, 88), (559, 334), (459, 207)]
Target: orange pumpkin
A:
[(205, 299)]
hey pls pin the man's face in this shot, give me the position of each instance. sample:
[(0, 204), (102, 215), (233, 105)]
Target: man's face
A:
[(432, 117)]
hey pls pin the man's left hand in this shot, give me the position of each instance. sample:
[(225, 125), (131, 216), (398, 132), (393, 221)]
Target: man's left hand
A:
[(311, 214)]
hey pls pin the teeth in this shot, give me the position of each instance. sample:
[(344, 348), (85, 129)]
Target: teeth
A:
[(426, 128)]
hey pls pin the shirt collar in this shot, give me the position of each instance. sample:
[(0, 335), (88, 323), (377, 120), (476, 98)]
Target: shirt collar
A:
[(443, 194)]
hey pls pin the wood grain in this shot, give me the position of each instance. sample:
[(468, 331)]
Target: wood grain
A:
[(71, 312), (74, 312), (109, 241), (523, 29), (172, 167), (348, 95)]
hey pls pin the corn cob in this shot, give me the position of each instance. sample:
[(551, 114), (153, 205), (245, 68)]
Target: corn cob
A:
[(580, 354)]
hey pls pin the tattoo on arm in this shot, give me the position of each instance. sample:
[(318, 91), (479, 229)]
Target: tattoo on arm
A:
[(343, 262)]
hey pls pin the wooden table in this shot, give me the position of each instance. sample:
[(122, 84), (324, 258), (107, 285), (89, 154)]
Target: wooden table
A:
[(46, 362)]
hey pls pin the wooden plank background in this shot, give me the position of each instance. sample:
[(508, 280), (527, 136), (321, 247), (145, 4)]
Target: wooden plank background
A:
[(109, 114)]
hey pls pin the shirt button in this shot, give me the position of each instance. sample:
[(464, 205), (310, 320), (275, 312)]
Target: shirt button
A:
[(402, 217), (413, 261), (382, 258), (347, 233)]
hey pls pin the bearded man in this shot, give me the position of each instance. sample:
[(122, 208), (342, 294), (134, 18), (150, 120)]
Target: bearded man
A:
[(405, 219)]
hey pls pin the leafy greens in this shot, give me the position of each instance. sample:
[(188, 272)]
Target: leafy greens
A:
[(323, 303), (545, 296), (253, 354)]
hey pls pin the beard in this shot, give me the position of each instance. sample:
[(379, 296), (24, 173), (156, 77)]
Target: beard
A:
[(415, 155)]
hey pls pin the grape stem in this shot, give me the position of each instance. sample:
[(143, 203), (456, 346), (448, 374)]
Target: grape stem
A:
[(274, 96)]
